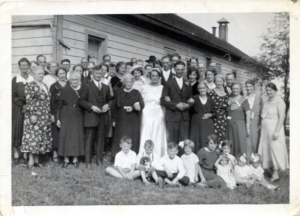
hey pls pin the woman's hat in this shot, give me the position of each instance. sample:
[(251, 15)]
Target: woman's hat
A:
[(135, 67), (151, 59)]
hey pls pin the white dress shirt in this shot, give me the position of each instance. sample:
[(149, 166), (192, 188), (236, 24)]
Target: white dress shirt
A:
[(166, 74), (125, 160), (98, 84), (19, 78), (174, 165), (179, 81)]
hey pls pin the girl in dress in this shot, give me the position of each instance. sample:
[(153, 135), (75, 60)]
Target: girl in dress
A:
[(194, 75), (190, 161), (258, 172), (225, 147), (137, 72), (224, 170), (242, 172)]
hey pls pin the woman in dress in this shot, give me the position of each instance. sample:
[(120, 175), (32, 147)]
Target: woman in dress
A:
[(116, 81), (209, 79), (238, 121), (33, 64), (51, 77), (55, 91), (272, 146), (193, 62), (255, 103), (129, 104), (18, 107), (137, 72), (70, 122), (153, 123), (193, 76), (202, 124), (37, 134), (220, 99)]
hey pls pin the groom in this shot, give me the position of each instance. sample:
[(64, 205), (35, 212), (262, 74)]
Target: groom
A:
[(175, 95)]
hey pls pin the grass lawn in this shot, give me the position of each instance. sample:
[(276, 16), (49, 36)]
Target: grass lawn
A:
[(55, 186)]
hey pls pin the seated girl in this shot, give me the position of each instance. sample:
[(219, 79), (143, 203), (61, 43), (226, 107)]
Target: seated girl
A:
[(225, 147), (207, 158), (224, 170), (242, 172), (258, 172)]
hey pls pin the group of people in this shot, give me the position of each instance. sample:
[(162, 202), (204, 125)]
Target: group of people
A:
[(165, 112)]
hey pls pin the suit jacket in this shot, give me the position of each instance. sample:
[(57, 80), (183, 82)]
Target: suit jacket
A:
[(85, 80), (90, 97), (230, 94), (171, 76), (176, 95)]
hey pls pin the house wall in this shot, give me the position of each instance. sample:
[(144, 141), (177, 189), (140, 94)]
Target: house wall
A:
[(31, 41)]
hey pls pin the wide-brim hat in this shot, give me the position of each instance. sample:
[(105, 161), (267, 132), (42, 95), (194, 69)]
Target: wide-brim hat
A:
[(151, 59), (135, 67)]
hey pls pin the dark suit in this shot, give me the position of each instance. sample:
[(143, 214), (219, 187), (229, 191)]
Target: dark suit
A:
[(230, 93), (85, 80), (163, 80), (93, 122), (177, 121)]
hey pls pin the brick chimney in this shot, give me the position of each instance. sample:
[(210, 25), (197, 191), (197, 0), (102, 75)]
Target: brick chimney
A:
[(214, 30), (223, 29)]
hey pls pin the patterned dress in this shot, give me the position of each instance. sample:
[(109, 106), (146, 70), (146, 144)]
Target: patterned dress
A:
[(37, 137), (220, 104)]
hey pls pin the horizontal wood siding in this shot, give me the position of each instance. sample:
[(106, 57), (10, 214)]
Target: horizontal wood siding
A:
[(30, 41)]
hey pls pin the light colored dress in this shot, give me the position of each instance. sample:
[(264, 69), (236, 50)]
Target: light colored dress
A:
[(274, 152), (138, 84), (243, 172), (224, 172), (153, 124), (189, 162), (49, 80)]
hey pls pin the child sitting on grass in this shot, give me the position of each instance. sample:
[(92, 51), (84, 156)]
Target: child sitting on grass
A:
[(258, 172), (242, 172), (145, 162), (190, 161), (224, 170), (207, 158), (225, 147), (124, 162), (170, 168)]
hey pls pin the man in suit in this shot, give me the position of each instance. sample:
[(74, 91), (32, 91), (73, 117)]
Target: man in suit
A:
[(96, 100), (166, 70), (175, 95), (86, 76)]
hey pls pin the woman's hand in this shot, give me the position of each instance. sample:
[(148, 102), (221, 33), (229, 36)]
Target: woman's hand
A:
[(52, 118), (33, 119), (105, 108), (96, 109), (128, 109), (191, 100), (275, 135), (137, 106), (167, 98), (58, 123), (230, 102), (248, 131), (203, 180), (206, 116)]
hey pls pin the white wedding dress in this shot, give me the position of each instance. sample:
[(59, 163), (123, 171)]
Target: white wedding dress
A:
[(153, 120)]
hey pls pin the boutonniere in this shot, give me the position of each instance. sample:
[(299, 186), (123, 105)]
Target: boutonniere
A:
[(187, 83)]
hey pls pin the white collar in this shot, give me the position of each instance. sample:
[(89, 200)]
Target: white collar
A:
[(168, 71), (127, 153), (19, 78), (97, 82), (125, 90), (179, 78)]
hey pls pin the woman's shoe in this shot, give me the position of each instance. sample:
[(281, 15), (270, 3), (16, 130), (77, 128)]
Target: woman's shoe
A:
[(55, 159), (76, 164), (30, 166), (65, 165)]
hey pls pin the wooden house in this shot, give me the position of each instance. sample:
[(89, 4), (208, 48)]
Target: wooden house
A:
[(123, 37)]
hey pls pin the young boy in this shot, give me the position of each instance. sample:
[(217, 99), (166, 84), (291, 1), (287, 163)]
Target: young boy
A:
[(124, 162), (170, 167), (146, 161)]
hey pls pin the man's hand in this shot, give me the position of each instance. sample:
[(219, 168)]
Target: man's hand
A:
[(96, 109), (128, 109), (181, 106), (170, 175), (191, 100), (167, 98), (105, 108)]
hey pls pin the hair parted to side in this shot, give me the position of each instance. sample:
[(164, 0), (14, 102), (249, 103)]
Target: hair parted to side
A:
[(250, 81), (127, 77), (105, 65), (126, 139), (23, 60), (50, 63), (172, 145), (271, 86), (179, 63), (118, 65), (193, 69), (37, 58), (78, 65), (75, 74), (188, 143), (65, 60), (212, 137), (149, 143), (59, 69), (226, 143), (154, 70)]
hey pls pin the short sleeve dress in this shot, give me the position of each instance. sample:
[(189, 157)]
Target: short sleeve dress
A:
[(225, 174)]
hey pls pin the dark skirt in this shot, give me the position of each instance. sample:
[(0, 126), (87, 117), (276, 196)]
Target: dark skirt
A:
[(237, 133), (55, 135), (17, 128), (71, 136)]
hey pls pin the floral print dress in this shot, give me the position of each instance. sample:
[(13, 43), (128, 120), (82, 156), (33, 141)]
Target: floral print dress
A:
[(220, 104), (37, 137)]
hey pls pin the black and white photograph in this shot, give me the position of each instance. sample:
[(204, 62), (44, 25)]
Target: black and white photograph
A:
[(122, 109)]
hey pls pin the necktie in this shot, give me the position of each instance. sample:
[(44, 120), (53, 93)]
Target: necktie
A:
[(99, 86), (85, 74)]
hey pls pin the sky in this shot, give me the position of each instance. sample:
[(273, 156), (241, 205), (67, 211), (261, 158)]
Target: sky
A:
[(244, 29)]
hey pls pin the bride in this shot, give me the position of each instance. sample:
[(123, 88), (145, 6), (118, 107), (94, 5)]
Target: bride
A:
[(153, 124)]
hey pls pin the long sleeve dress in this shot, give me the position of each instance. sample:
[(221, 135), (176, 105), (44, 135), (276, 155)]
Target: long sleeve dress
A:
[(127, 123), (220, 105), (201, 128), (55, 91), (273, 152), (37, 137), (236, 126), (18, 101), (71, 136), (153, 120), (256, 103)]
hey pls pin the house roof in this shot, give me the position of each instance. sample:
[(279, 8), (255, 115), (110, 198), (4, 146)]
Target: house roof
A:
[(196, 32), (223, 20)]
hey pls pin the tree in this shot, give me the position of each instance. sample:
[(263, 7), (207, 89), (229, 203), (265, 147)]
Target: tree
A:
[(274, 57)]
